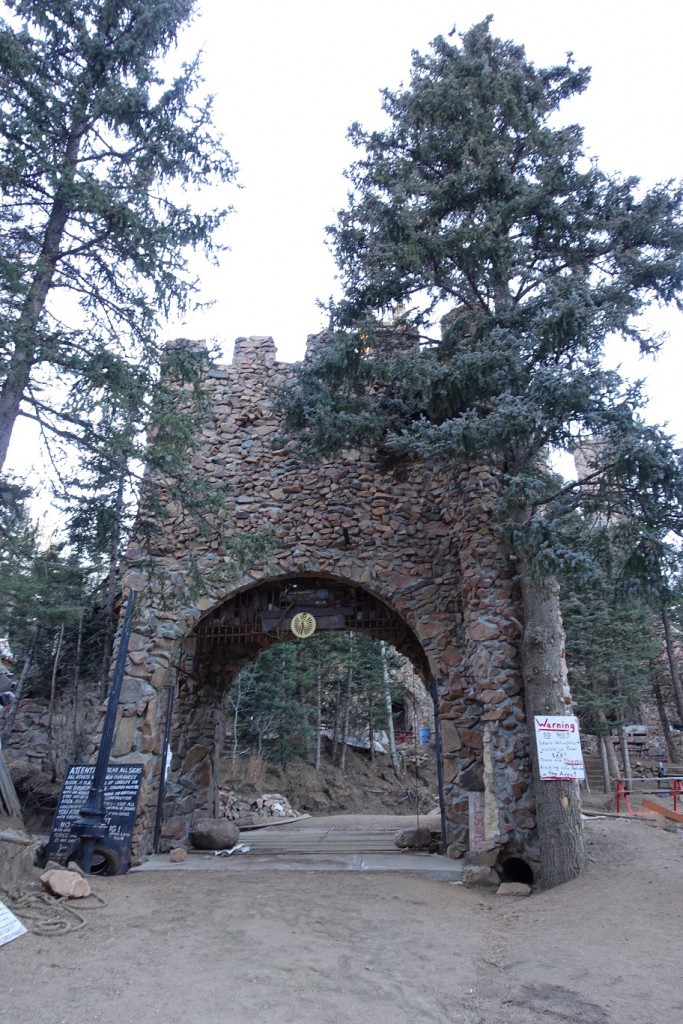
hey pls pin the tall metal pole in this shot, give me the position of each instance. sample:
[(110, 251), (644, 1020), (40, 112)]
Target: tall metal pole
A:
[(90, 825)]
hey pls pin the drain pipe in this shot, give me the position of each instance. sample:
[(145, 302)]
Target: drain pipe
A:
[(439, 764)]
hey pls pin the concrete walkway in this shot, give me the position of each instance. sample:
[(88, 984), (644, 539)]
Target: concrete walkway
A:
[(441, 869)]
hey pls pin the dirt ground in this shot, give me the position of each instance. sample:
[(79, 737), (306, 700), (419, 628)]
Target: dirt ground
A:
[(275, 947)]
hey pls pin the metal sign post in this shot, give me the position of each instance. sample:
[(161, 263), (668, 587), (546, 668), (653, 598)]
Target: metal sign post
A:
[(90, 825)]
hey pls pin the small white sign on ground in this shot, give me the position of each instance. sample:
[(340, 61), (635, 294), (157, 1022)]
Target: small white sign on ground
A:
[(10, 926), (559, 747)]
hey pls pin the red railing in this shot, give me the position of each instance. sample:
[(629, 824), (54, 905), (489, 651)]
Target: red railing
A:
[(674, 788)]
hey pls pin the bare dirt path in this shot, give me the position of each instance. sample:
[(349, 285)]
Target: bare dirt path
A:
[(276, 948)]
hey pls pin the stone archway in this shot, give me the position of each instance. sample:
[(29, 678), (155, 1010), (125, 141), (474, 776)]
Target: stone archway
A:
[(231, 636), (419, 543)]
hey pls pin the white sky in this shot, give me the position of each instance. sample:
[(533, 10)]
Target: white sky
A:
[(289, 76)]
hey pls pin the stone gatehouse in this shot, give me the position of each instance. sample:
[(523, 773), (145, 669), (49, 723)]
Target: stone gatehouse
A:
[(414, 558)]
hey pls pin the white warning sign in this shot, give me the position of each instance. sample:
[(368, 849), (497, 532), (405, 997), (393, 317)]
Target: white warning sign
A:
[(559, 747), (10, 926)]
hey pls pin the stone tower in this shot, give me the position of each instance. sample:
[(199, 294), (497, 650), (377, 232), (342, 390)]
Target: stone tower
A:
[(414, 558)]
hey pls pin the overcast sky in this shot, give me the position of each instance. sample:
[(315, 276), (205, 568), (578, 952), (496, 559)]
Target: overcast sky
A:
[(289, 76)]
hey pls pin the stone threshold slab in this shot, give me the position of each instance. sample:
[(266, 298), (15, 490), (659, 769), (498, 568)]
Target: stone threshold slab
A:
[(426, 865)]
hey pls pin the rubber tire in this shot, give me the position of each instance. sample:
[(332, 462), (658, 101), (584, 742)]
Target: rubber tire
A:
[(106, 859)]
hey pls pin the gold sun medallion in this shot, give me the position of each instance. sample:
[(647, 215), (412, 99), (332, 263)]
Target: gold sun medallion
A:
[(303, 625)]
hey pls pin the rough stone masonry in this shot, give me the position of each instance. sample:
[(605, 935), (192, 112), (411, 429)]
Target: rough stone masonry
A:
[(423, 543)]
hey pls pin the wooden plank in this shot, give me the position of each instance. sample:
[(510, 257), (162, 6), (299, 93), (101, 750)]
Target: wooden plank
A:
[(320, 841), (244, 825), (652, 805), (8, 794)]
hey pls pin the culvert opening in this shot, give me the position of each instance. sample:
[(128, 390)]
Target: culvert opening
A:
[(517, 870)]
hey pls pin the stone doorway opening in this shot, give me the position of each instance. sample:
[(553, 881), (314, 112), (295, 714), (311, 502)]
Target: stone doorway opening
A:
[(225, 646), (328, 725)]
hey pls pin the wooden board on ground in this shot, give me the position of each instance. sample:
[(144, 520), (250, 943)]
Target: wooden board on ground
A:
[(652, 805), (9, 801), (247, 825), (321, 840)]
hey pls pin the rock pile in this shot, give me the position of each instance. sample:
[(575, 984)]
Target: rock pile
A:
[(27, 736), (251, 811)]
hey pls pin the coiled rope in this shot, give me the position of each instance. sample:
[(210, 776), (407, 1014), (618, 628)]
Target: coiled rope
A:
[(45, 914)]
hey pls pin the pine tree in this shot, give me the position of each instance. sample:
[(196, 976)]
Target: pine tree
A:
[(100, 156), (610, 620), (473, 206), (292, 689)]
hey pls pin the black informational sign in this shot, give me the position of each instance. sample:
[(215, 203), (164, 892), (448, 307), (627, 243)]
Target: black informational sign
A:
[(121, 789)]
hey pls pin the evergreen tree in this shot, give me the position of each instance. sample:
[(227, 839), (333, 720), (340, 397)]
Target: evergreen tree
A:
[(98, 155), (267, 707), (293, 689), (610, 621), (43, 598), (475, 204)]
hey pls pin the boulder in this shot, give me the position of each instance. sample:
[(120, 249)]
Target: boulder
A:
[(178, 855), (513, 889), (472, 778), (66, 883), (479, 874), (413, 838), (214, 834)]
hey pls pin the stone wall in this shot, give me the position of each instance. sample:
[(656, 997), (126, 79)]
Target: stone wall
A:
[(49, 744), (422, 542)]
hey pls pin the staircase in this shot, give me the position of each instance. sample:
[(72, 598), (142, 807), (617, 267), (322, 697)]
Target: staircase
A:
[(594, 778)]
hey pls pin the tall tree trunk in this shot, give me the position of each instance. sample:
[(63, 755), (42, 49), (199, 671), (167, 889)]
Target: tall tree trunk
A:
[(337, 723), (114, 558), (19, 688), (53, 701), (371, 728), (76, 688), (395, 759), (614, 768), (664, 719), (347, 704), (558, 806), (673, 663), (235, 702), (24, 332), (218, 741), (625, 757)]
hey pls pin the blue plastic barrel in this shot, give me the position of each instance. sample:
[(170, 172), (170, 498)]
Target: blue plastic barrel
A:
[(423, 734)]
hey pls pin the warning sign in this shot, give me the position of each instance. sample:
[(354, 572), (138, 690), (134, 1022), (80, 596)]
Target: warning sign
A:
[(559, 747), (10, 926), (121, 788)]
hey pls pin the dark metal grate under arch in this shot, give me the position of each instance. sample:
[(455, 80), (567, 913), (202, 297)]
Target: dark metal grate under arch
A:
[(263, 615)]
